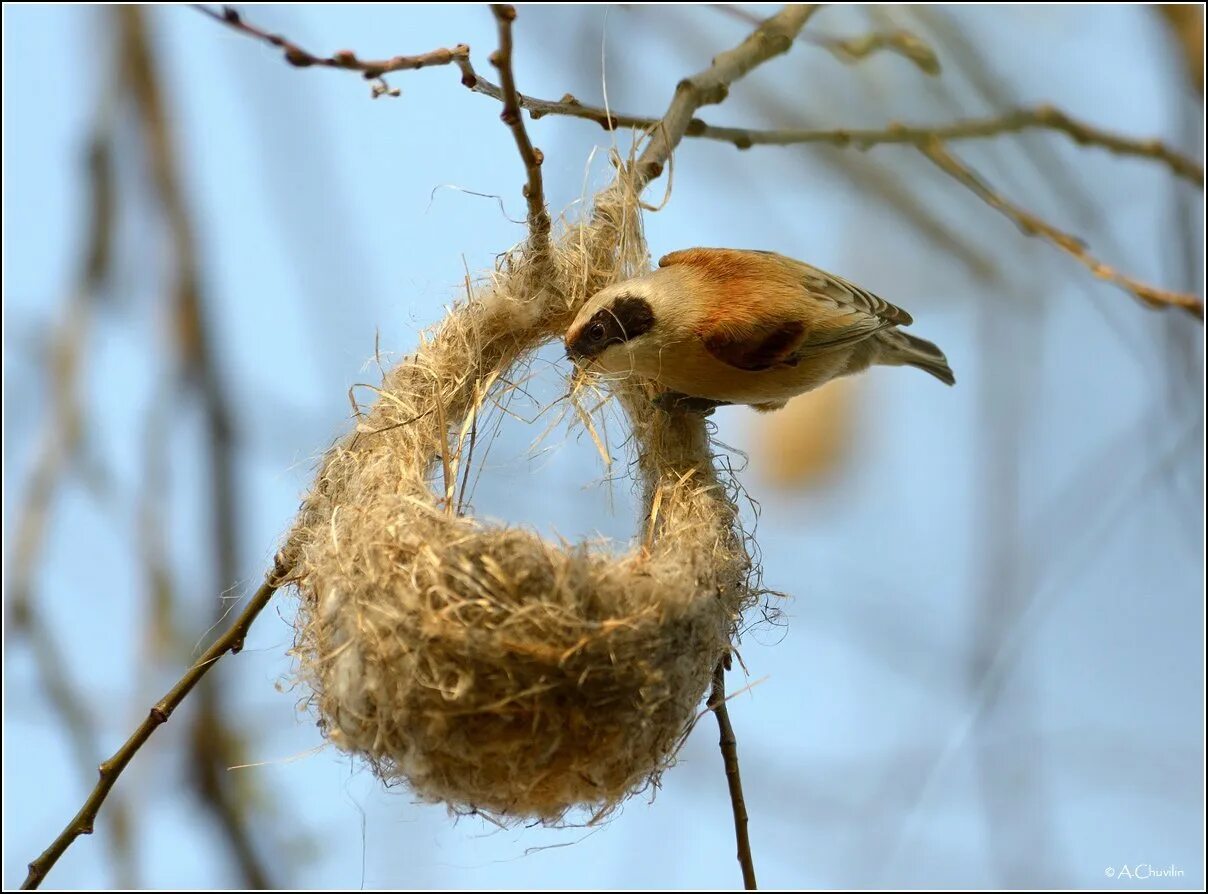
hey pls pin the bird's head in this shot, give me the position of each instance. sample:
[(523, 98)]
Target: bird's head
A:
[(613, 322)]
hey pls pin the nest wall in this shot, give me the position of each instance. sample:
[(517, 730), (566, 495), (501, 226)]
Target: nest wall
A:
[(483, 665)]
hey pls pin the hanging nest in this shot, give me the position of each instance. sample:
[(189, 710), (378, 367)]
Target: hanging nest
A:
[(482, 665)]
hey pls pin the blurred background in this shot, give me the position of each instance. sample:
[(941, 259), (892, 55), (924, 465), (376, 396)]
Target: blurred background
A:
[(988, 670)]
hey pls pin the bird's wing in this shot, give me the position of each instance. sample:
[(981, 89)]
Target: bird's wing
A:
[(778, 310), (847, 294)]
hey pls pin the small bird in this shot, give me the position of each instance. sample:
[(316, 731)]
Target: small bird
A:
[(721, 326)]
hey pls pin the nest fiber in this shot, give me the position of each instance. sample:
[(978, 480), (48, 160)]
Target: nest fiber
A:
[(482, 665)]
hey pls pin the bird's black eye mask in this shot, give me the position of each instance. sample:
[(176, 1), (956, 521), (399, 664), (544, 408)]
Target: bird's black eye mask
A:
[(626, 319)]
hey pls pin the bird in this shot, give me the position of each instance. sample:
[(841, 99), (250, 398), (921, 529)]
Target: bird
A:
[(721, 326)]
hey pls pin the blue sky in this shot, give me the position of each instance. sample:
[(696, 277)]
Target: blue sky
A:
[(1043, 519)]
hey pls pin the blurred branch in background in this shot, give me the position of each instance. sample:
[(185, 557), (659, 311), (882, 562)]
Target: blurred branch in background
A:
[(855, 49), (905, 44), (1186, 21), (1031, 225), (1014, 793), (808, 438), (61, 444), (215, 746)]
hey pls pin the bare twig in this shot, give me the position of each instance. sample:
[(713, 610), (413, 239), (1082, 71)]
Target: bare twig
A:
[(729, 754), (1045, 117), (231, 641), (371, 69), (1031, 225), (1041, 117), (538, 214), (771, 38)]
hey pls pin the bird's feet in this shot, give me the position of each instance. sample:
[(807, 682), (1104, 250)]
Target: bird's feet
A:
[(671, 401)]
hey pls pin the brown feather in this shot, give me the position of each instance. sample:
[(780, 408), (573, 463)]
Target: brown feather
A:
[(760, 351), (817, 284), (766, 310)]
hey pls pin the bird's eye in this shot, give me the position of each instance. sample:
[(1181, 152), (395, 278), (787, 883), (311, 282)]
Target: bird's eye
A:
[(596, 332)]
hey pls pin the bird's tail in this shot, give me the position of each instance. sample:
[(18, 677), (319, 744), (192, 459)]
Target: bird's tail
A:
[(903, 349)]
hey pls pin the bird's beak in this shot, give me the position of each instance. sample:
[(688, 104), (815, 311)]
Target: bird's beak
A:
[(575, 351)]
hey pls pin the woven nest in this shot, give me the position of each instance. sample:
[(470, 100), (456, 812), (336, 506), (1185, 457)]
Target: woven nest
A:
[(482, 665)]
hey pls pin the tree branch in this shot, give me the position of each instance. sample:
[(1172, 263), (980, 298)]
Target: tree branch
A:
[(1045, 117), (538, 214), (1041, 117), (729, 754), (372, 69), (710, 86), (1031, 225), (110, 770)]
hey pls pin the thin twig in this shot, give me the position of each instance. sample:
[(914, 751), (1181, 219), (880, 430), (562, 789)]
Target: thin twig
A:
[(372, 69), (1041, 117), (1044, 117), (538, 214), (231, 641), (1031, 225), (729, 754)]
